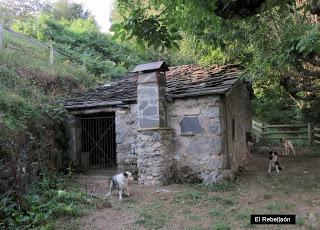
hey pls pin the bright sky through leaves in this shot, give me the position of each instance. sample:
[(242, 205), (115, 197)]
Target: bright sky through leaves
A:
[(101, 9)]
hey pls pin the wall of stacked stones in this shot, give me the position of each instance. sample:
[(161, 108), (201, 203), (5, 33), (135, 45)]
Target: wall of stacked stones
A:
[(154, 156), (197, 138), (126, 138), (238, 109)]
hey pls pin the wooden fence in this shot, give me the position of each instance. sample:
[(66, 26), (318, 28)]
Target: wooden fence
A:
[(53, 51), (316, 135), (308, 132)]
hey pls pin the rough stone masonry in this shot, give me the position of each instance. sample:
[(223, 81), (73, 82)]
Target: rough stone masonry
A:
[(186, 124), (185, 140), (154, 140)]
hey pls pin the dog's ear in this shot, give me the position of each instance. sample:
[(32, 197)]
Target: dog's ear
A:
[(125, 174), (270, 153), (275, 153)]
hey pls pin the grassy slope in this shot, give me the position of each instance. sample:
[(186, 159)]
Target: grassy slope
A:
[(31, 119), (28, 81), (32, 129)]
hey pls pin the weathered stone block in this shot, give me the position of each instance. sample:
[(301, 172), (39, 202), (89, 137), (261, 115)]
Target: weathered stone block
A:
[(151, 77), (129, 140), (120, 138), (211, 112), (183, 111), (215, 127), (146, 122), (149, 92), (190, 125), (143, 104), (150, 111)]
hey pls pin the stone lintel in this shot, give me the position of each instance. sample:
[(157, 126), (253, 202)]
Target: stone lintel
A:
[(155, 129), (187, 134)]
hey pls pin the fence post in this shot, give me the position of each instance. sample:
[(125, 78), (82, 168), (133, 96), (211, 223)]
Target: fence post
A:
[(51, 54), (262, 128), (309, 134), (1, 35)]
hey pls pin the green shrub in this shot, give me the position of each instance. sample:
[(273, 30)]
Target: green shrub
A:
[(41, 205)]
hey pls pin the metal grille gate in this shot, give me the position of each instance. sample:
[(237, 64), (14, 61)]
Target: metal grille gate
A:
[(98, 142)]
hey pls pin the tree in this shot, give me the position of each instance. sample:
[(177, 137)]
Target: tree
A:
[(65, 9), (270, 38), (14, 10)]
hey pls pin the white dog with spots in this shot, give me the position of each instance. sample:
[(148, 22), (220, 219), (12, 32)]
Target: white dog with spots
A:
[(120, 182)]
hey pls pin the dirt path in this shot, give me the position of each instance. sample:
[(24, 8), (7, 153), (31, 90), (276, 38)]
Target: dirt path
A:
[(296, 190)]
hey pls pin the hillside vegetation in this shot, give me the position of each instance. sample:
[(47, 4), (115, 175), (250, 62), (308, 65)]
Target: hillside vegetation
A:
[(29, 87), (33, 122), (33, 131), (276, 41), (33, 136)]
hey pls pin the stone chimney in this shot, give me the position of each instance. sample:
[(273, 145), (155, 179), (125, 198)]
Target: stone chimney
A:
[(151, 91), (154, 139)]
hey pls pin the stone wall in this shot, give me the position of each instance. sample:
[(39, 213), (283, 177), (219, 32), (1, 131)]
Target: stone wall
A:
[(126, 138), (196, 146), (154, 156), (238, 107), (197, 138)]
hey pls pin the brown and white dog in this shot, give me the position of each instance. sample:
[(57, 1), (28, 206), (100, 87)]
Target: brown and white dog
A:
[(287, 146), (273, 162), (120, 182)]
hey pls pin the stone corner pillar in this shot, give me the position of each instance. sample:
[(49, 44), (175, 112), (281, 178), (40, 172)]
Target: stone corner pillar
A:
[(155, 156)]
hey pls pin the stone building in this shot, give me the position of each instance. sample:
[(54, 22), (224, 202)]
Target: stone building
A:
[(182, 124)]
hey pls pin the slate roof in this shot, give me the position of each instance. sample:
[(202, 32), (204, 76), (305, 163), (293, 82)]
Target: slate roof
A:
[(181, 81)]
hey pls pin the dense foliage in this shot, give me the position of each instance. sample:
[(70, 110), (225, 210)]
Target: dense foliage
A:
[(42, 205), (279, 42), (33, 134), (74, 31), (82, 40)]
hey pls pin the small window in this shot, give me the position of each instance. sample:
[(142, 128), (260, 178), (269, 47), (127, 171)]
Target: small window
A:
[(233, 130)]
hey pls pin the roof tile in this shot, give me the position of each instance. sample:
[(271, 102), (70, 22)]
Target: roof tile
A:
[(181, 81)]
